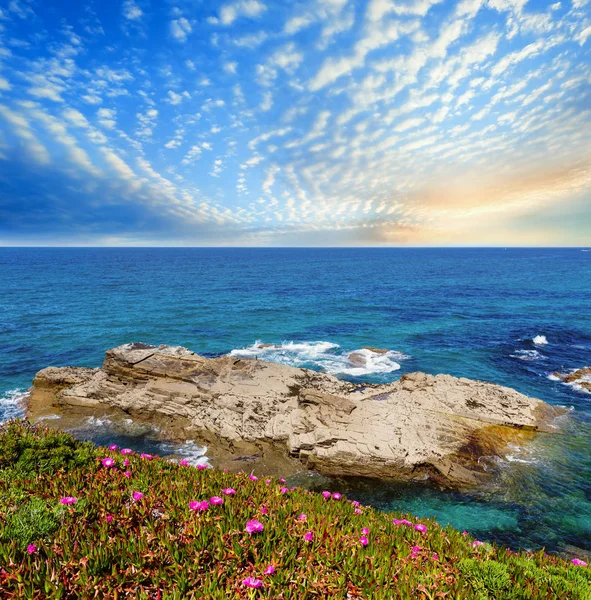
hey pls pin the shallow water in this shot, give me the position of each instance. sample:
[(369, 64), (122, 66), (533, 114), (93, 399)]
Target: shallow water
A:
[(511, 316)]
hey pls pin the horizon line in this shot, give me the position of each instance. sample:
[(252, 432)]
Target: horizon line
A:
[(385, 247)]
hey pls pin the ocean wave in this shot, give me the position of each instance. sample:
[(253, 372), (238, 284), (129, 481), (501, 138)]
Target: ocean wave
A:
[(528, 355), (190, 451), (540, 340), (326, 356), (12, 404), (579, 379)]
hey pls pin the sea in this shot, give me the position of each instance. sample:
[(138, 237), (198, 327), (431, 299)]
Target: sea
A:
[(511, 316)]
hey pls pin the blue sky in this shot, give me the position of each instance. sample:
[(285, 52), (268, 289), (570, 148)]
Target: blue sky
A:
[(321, 122)]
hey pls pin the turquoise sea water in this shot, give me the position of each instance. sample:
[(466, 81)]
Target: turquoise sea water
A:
[(467, 312)]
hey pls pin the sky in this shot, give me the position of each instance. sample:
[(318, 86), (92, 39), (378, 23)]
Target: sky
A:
[(287, 123)]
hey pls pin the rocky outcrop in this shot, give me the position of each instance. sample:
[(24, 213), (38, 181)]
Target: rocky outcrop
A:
[(580, 378), (421, 426)]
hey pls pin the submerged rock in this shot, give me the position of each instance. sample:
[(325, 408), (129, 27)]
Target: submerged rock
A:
[(422, 426), (580, 378)]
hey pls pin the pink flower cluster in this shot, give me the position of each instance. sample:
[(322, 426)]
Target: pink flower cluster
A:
[(254, 526), (68, 500), (579, 563), (253, 582), (108, 462)]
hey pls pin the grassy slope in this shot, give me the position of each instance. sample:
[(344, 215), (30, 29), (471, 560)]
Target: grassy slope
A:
[(108, 545)]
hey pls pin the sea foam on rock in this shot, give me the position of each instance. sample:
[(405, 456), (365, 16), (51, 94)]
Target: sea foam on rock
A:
[(289, 418)]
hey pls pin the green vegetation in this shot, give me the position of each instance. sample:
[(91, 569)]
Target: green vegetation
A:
[(80, 522)]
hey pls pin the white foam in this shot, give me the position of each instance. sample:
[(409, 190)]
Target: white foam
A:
[(540, 340), (193, 453), (576, 385), (325, 356), (12, 404), (98, 422), (528, 355), (49, 418)]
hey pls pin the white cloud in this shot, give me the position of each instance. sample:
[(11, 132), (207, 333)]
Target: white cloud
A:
[(243, 8), (287, 58), (409, 124), (267, 102), (251, 40), (174, 98), (583, 35), (180, 29), (230, 67), (23, 130), (131, 10)]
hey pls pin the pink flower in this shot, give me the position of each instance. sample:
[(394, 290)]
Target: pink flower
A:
[(137, 495), (336, 496), (108, 462), (201, 467), (216, 500), (355, 503), (464, 532), (308, 536), (254, 526), (68, 500), (435, 557), (184, 462), (364, 541), (365, 531), (267, 481), (127, 474), (327, 495), (252, 582), (31, 548), (264, 510), (229, 491), (113, 447), (282, 480), (253, 477), (302, 517), (420, 527), (146, 456), (477, 543), (126, 462), (357, 511), (579, 563), (201, 506), (109, 518), (284, 490), (269, 570), (401, 522), (126, 451)]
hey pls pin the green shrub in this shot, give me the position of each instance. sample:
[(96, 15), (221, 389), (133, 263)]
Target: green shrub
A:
[(31, 521), (28, 449), (487, 578)]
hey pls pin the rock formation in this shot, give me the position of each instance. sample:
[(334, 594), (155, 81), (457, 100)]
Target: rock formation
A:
[(580, 378), (420, 426)]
